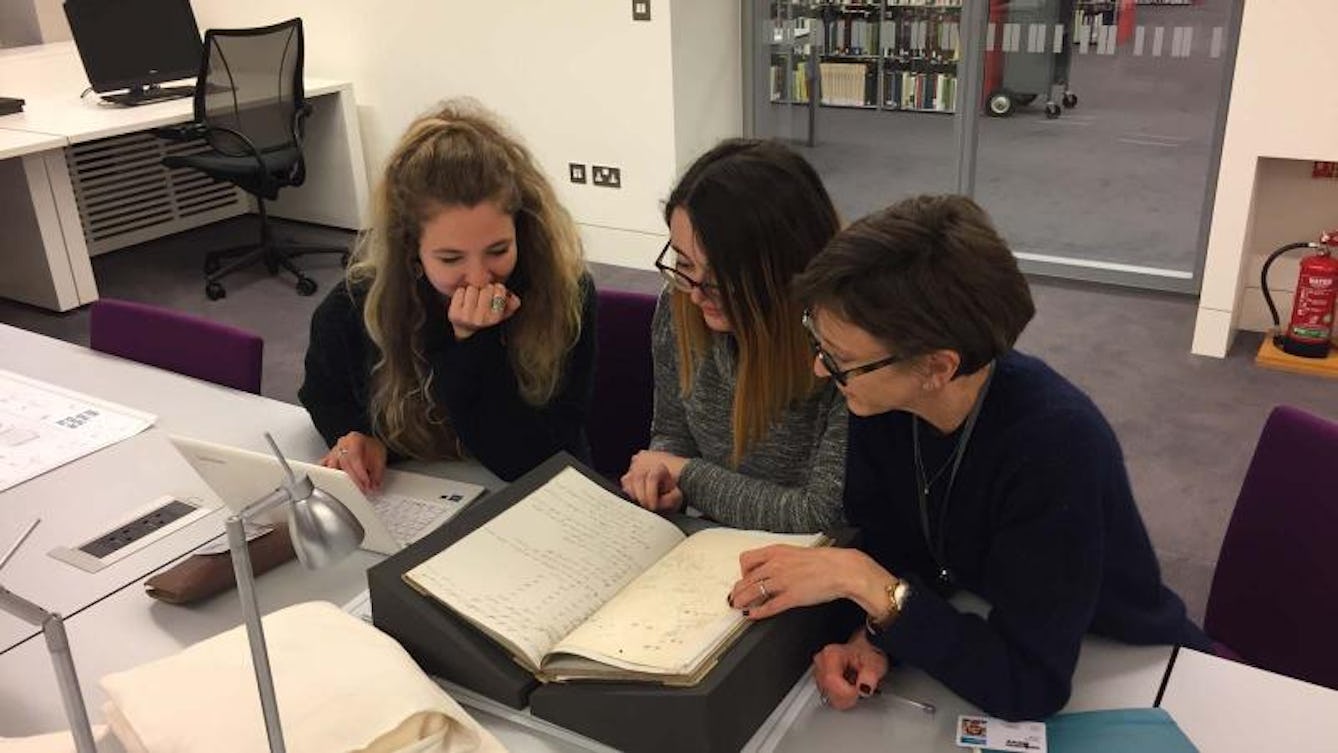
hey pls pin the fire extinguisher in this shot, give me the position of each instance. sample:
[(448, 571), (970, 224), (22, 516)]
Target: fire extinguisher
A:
[(1309, 333)]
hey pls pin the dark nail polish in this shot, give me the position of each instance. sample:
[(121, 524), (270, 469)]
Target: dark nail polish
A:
[(729, 599), (745, 612), (865, 690)]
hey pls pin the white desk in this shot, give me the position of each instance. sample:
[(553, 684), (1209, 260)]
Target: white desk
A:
[(128, 628), (1226, 707), (45, 260)]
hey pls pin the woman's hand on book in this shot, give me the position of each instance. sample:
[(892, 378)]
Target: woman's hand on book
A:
[(847, 672), (362, 457), (472, 309), (652, 480), (780, 577)]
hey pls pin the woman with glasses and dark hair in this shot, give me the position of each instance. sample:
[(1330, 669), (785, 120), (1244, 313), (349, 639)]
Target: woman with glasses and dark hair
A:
[(970, 466), (743, 430)]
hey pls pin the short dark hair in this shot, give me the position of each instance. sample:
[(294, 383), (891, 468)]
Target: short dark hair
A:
[(927, 273)]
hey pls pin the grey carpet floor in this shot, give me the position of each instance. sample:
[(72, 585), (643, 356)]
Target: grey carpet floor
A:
[(1187, 424)]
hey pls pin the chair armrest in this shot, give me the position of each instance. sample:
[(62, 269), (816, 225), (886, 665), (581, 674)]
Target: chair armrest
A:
[(181, 132)]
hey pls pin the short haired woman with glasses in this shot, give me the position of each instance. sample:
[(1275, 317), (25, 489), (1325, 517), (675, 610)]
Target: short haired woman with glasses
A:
[(743, 430), (970, 466)]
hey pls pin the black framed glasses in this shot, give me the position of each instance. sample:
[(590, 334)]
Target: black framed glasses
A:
[(828, 361), (675, 276)]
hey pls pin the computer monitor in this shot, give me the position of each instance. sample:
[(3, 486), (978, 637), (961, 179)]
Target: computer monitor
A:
[(135, 45)]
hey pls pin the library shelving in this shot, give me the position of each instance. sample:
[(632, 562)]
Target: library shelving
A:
[(889, 55)]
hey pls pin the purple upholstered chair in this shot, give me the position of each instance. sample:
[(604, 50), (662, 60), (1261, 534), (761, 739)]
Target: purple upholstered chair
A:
[(619, 423), (1274, 599), (177, 342)]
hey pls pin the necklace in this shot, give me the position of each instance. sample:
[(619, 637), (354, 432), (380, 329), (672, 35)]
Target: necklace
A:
[(938, 543)]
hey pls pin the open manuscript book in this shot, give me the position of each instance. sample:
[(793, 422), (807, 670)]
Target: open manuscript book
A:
[(578, 583)]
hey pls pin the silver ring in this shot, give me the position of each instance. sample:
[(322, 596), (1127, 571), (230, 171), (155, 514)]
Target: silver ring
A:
[(762, 586), (498, 303), (823, 697), (343, 451)]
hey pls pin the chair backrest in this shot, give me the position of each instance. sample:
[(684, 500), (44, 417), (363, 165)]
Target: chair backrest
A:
[(1274, 598), (178, 342), (250, 82), (619, 423)]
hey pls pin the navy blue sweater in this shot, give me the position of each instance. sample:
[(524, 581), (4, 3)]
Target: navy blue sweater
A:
[(472, 379), (1041, 524)]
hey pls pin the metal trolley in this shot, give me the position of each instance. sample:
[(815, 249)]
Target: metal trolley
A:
[(1032, 67)]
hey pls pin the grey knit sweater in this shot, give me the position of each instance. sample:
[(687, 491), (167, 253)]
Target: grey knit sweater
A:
[(790, 481)]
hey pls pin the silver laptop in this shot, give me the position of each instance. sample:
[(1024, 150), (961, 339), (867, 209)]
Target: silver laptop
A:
[(408, 506)]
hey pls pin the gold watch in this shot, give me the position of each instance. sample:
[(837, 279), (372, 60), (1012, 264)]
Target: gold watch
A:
[(898, 591)]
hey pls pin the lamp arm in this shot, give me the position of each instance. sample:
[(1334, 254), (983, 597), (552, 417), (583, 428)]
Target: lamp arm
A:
[(62, 662), (255, 630), (22, 608)]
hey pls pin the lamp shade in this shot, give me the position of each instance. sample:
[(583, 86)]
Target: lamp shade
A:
[(323, 530)]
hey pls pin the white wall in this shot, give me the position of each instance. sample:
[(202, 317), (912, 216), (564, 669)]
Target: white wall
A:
[(580, 82), (51, 18), (1283, 105)]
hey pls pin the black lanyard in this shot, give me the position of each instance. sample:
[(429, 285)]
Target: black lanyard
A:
[(937, 544)]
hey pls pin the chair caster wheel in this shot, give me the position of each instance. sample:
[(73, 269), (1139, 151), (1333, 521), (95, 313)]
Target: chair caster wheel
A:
[(1052, 111), (213, 291), (306, 286), (1070, 100)]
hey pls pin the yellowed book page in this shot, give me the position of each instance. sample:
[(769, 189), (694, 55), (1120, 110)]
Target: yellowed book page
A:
[(674, 616), (539, 569)]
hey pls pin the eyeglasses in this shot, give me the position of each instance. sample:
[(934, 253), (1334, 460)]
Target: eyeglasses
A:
[(842, 376), (674, 276)]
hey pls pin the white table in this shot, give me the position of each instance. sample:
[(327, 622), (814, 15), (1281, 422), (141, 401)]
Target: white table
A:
[(1227, 707), (45, 260), (128, 628)]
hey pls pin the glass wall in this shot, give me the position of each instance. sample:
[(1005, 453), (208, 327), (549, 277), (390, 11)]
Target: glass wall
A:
[(1097, 126)]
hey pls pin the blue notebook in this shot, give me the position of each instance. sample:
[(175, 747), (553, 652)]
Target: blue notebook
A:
[(1117, 731)]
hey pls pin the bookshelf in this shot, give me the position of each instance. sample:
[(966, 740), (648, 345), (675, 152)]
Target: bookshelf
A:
[(895, 55)]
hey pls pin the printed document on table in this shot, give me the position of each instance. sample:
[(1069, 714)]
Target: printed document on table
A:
[(43, 427)]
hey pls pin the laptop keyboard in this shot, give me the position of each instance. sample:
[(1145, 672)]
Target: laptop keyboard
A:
[(407, 518)]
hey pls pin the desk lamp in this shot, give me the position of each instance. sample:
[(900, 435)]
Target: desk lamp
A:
[(53, 628), (323, 532)]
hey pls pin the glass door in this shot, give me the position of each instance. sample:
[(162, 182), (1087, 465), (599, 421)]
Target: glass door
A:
[(866, 90), (1089, 129), (1099, 150)]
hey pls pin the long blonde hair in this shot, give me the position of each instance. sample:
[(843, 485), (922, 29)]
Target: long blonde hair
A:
[(460, 155), (760, 212)]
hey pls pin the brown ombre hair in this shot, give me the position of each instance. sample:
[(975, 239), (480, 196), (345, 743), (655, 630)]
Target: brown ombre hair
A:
[(759, 212), (461, 156)]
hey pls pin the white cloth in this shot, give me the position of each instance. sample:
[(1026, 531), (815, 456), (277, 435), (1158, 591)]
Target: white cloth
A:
[(341, 684), (56, 742)]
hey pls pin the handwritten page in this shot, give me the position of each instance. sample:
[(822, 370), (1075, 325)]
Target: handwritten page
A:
[(674, 616), (43, 427), (543, 566)]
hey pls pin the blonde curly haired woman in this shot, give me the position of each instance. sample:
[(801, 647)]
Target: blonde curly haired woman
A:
[(465, 325)]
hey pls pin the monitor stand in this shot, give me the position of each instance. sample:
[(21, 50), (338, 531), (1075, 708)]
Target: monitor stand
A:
[(142, 95)]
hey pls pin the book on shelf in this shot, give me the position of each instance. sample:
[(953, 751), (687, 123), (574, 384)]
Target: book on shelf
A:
[(580, 584), (849, 84), (911, 90)]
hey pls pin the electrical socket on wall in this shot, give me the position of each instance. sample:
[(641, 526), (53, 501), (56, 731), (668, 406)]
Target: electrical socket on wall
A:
[(604, 175), (640, 10), (577, 171)]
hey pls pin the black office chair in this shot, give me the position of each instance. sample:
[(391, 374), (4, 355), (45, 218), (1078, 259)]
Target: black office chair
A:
[(249, 107)]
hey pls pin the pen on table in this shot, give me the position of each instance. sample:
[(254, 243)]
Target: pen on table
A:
[(15, 547), (928, 708)]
